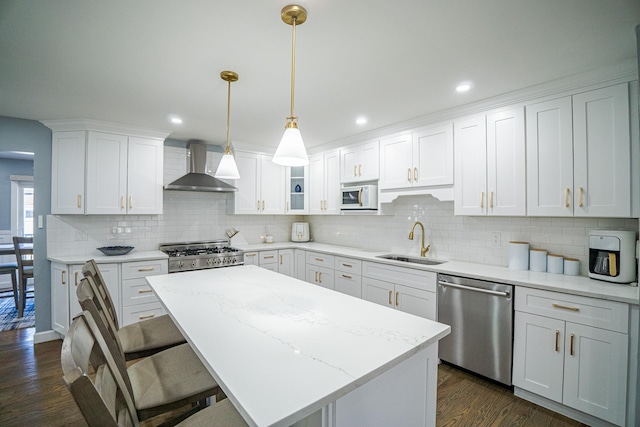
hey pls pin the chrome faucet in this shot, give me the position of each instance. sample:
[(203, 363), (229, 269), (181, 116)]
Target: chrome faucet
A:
[(423, 250)]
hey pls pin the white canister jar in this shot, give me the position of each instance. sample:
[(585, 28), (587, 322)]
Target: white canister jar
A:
[(555, 264), (538, 260), (571, 267), (518, 255)]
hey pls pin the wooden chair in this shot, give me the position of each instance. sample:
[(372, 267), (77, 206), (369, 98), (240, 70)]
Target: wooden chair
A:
[(24, 257), (10, 268), (99, 391), (138, 339)]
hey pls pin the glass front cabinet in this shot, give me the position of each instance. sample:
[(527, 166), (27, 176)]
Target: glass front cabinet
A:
[(297, 192)]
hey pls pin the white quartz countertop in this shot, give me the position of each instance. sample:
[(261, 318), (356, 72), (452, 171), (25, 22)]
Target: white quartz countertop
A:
[(282, 348), (101, 258), (577, 285)]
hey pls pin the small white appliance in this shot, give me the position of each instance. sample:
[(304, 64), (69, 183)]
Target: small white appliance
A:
[(364, 197), (612, 255), (300, 232)]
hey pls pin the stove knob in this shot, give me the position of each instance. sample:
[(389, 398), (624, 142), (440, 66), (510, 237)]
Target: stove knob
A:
[(233, 260), (193, 263), (225, 260), (181, 264)]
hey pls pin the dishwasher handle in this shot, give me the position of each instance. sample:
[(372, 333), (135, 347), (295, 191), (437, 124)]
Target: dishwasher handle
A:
[(473, 289)]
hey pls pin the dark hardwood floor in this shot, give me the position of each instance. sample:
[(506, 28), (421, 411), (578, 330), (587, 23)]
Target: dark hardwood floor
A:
[(32, 393)]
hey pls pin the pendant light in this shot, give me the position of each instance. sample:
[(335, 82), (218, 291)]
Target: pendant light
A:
[(291, 151), (227, 169)]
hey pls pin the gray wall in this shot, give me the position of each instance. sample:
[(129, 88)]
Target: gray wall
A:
[(33, 136), (10, 167)]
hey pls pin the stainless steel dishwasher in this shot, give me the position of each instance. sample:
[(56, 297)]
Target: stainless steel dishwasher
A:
[(480, 314)]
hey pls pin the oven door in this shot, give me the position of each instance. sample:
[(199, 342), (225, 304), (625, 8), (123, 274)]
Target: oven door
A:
[(354, 198)]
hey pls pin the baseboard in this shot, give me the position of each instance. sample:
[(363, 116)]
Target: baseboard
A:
[(45, 336)]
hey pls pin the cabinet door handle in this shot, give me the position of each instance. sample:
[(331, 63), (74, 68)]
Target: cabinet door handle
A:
[(122, 202), (280, 259), (130, 202), (354, 170), (491, 199), (148, 316), (145, 269), (316, 277), (263, 205), (325, 205), (397, 298), (145, 291), (359, 170), (415, 174), (320, 276), (409, 175), (347, 277), (79, 201), (564, 307), (557, 340), (64, 282), (566, 197), (76, 278), (258, 206), (287, 206), (482, 200), (390, 293), (571, 345), (580, 191)]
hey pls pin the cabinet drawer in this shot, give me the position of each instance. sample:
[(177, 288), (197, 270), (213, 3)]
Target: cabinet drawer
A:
[(406, 276), (350, 284), (603, 314), (251, 258), (268, 257), (348, 265), (323, 260), (139, 269), (137, 313), (137, 291)]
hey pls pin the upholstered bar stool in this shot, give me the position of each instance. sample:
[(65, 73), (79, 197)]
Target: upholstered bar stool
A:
[(11, 268)]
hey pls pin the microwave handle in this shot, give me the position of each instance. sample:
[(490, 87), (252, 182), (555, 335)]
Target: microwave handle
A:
[(360, 196)]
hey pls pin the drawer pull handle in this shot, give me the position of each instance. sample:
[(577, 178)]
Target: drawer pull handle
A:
[(145, 291), (557, 340), (146, 269), (249, 254), (397, 298), (148, 316), (347, 277), (347, 265), (571, 346), (564, 307), (64, 282), (319, 259), (268, 256), (390, 293), (76, 278)]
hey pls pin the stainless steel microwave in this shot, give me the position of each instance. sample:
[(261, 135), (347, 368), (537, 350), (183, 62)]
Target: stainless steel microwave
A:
[(364, 197)]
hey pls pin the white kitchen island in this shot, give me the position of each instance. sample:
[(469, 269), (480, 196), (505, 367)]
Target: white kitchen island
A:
[(283, 349)]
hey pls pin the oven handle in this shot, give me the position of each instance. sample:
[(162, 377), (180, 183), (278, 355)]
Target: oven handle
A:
[(469, 288)]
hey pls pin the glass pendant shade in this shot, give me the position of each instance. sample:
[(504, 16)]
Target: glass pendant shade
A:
[(291, 151), (227, 169)]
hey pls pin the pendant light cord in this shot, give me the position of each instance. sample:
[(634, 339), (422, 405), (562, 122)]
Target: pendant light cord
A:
[(228, 149), (293, 66)]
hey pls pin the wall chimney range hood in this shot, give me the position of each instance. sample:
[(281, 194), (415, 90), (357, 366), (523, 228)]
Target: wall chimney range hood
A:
[(197, 179)]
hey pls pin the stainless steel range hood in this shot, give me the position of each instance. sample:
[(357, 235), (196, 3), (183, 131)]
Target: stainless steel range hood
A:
[(197, 179)]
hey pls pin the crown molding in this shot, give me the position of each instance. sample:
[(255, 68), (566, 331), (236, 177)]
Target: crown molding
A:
[(100, 126)]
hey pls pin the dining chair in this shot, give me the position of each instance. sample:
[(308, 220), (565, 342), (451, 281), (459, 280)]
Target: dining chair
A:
[(100, 393), (10, 268), (138, 339), (24, 258)]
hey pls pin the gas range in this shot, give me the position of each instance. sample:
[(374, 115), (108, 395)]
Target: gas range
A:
[(187, 256)]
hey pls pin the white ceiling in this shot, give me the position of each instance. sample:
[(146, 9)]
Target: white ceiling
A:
[(139, 62)]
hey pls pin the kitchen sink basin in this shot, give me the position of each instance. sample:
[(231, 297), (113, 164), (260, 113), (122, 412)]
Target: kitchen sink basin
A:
[(414, 260)]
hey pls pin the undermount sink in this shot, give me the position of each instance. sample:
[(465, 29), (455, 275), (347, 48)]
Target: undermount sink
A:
[(415, 260)]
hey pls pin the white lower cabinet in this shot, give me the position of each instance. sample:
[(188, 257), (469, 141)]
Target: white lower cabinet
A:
[(405, 289), (572, 350), (139, 302), (320, 269), (251, 258), (348, 276), (280, 261), (300, 256), (286, 263)]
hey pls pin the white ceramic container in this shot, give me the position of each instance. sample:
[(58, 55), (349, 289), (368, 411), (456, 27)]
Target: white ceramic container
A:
[(518, 255), (538, 260)]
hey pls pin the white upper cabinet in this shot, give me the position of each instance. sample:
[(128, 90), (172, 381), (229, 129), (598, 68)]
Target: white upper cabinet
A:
[(602, 152), (490, 164), (579, 155), (106, 173), (550, 158), (261, 185), (360, 162), (324, 183), (421, 158), (297, 190)]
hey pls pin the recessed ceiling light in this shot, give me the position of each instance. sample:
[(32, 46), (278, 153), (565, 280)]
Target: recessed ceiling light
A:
[(176, 120), (463, 87), (361, 120)]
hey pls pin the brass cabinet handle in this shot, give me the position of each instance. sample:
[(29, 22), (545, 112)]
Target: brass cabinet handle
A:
[(491, 199), (258, 206), (571, 345), (250, 254), (390, 293), (354, 170), (566, 197), (280, 259), (580, 191), (397, 298), (263, 205), (347, 265), (148, 316), (130, 202), (145, 291), (122, 202), (145, 269), (360, 197), (359, 170), (319, 259), (64, 282), (268, 256), (320, 277), (557, 340), (409, 174), (482, 200), (325, 205), (415, 174), (564, 307), (76, 278), (79, 201), (316, 277), (347, 277), (287, 205)]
